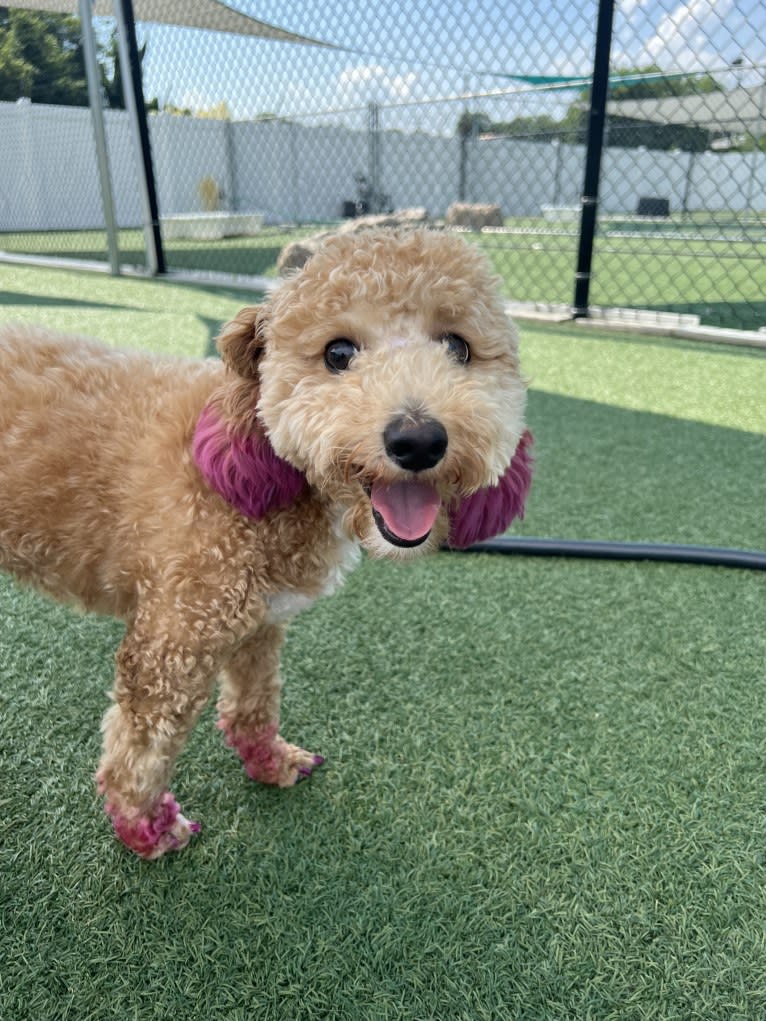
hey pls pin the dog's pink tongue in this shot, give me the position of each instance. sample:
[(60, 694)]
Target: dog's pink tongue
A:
[(408, 509)]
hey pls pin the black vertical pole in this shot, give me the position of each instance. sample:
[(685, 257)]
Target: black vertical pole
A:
[(135, 84), (596, 123)]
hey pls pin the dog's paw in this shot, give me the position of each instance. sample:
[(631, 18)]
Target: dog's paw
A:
[(162, 829), (268, 758)]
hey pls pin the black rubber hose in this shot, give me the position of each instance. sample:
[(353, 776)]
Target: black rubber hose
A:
[(713, 556)]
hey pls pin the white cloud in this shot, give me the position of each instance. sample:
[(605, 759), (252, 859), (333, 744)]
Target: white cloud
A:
[(627, 7), (371, 82), (684, 37)]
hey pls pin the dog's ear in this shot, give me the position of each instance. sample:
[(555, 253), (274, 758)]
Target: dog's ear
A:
[(241, 341), (488, 512)]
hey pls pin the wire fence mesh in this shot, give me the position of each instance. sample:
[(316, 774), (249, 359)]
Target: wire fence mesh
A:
[(475, 115)]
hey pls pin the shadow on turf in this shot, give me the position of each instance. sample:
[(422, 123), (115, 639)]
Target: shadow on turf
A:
[(644, 340), (242, 260), (236, 259), (19, 298), (611, 473)]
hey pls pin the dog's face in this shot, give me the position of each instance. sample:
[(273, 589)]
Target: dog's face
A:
[(387, 373)]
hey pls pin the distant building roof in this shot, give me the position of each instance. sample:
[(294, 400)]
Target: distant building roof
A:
[(738, 110)]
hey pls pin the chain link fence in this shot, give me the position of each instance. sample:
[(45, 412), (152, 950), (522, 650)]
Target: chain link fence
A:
[(475, 115)]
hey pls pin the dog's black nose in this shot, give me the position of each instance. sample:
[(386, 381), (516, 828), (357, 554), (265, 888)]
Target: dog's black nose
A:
[(415, 444)]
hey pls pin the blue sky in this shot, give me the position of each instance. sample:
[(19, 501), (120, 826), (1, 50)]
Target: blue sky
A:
[(405, 52)]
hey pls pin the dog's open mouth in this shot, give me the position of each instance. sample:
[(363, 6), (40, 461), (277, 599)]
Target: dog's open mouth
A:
[(404, 511)]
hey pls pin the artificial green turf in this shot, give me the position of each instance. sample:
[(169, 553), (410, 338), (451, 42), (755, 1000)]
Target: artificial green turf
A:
[(244, 255), (717, 273), (129, 312), (544, 790)]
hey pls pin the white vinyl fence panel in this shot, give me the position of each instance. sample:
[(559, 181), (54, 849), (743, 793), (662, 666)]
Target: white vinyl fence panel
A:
[(293, 172)]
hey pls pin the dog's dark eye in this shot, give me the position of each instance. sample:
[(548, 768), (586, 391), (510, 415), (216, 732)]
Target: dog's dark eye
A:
[(457, 347), (338, 354)]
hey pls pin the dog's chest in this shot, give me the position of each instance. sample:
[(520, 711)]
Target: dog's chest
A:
[(284, 605)]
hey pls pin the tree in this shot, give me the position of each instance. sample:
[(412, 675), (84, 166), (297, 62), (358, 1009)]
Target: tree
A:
[(470, 125), (216, 112), (110, 69), (41, 58), (749, 142)]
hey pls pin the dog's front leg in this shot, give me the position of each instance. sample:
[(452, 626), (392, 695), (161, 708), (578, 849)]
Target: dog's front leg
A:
[(165, 675), (249, 712)]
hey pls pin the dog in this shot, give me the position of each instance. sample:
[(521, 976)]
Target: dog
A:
[(374, 402)]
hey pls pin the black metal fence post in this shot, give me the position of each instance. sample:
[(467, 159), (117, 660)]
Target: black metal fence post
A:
[(595, 145), (134, 98)]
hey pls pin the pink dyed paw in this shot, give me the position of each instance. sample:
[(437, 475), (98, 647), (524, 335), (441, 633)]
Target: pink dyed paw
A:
[(152, 835), (268, 758)]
